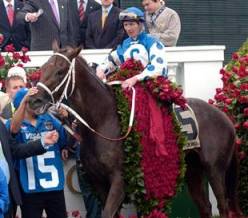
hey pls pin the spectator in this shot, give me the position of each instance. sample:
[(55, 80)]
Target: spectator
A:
[(9, 149), (14, 31), (80, 17), (5, 99), (16, 79), (104, 29), (162, 22), (41, 177), (49, 20), (4, 192), (139, 46)]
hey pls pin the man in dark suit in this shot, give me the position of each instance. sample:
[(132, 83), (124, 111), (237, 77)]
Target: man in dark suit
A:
[(17, 32), (9, 149), (49, 20), (104, 28), (80, 26)]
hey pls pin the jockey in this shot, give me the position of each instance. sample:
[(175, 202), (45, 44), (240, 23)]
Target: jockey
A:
[(139, 46)]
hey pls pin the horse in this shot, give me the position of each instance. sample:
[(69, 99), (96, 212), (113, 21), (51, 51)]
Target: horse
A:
[(103, 159)]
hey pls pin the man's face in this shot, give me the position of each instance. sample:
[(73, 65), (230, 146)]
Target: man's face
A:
[(132, 28), (106, 3), (151, 6), (14, 85)]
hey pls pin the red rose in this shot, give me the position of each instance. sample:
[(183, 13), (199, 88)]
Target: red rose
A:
[(235, 56), (16, 56), (75, 213), (218, 90), (24, 50), (237, 125), (238, 141), (10, 48), (1, 38), (246, 111), (2, 61), (210, 101), (242, 155), (20, 65), (245, 124), (235, 69), (228, 100), (222, 71), (25, 58)]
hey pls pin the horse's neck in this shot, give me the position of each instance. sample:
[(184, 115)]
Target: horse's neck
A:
[(93, 104)]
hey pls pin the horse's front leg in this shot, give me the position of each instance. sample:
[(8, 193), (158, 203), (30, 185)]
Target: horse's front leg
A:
[(115, 196)]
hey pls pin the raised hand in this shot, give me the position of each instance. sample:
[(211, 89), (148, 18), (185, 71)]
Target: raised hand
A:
[(32, 17)]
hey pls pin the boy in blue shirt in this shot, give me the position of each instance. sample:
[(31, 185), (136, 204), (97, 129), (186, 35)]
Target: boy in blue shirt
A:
[(42, 176)]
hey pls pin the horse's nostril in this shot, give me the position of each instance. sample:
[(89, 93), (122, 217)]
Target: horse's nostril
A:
[(35, 102)]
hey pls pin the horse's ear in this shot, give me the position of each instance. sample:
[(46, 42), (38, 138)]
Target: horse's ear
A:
[(73, 52), (55, 45), (77, 50)]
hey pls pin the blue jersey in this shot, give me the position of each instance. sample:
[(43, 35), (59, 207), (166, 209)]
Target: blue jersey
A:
[(145, 48), (44, 172)]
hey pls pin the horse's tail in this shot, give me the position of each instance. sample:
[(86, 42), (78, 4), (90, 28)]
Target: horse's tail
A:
[(232, 176)]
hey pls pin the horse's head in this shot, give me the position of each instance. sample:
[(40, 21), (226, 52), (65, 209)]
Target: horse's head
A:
[(54, 78)]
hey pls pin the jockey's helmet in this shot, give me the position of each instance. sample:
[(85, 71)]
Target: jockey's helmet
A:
[(132, 14)]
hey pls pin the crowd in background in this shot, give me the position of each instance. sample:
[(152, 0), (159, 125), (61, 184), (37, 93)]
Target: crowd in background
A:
[(35, 24)]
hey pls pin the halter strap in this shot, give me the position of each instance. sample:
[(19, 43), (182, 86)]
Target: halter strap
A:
[(63, 56)]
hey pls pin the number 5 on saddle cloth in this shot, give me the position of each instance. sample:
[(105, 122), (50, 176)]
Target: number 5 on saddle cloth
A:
[(189, 126)]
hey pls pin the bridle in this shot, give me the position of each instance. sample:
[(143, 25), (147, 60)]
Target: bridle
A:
[(70, 79)]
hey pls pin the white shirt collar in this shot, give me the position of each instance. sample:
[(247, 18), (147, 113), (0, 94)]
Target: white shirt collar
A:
[(5, 2), (85, 3), (108, 8)]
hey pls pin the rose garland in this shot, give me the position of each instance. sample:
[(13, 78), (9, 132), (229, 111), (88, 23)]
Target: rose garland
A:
[(150, 183)]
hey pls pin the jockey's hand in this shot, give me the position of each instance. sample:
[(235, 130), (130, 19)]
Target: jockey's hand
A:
[(31, 17), (100, 73), (50, 138), (129, 83)]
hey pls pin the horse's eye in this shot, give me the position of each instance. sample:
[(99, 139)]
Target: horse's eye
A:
[(59, 73)]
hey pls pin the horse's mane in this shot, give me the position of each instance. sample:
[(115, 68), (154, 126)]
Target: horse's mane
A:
[(90, 70)]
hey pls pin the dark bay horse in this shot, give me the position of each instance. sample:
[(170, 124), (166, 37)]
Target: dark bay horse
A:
[(103, 159)]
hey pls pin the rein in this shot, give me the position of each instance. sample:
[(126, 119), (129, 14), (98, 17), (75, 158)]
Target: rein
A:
[(70, 78)]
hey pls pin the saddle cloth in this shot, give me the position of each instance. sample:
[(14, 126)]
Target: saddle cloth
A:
[(189, 126)]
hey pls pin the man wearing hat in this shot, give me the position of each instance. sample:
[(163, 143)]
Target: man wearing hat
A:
[(16, 79)]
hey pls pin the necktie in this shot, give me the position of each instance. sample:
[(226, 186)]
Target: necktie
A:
[(55, 12), (81, 10), (104, 16), (10, 13)]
